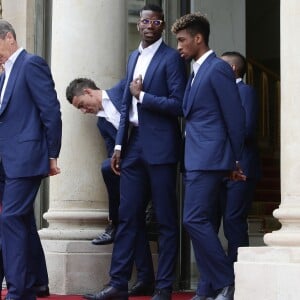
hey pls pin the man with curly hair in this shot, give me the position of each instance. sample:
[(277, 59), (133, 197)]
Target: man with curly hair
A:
[(214, 139)]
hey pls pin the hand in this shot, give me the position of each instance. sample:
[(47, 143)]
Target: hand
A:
[(54, 169), (136, 86), (115, 162), (237, 175)]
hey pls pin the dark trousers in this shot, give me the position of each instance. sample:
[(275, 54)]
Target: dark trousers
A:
[(112, 183), (236, 199), (19, 237), (137, 178), (201, 202), (142, 257), (39, 262)]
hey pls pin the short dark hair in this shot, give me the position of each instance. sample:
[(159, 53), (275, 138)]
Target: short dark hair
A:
[(193, 23), (153, 7), (6, 27), (239, 61), (76, 87)]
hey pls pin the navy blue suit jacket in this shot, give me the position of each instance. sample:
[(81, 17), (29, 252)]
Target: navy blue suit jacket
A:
[(250, 157), (30, 119), (107, 130), (215, 118), (164, 85)]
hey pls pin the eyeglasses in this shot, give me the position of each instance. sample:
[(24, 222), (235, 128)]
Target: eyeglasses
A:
[(156, 23)]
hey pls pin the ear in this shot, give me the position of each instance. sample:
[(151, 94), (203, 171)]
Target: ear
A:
[(87, 91), (137, 27), (198, 38), (10, 37)]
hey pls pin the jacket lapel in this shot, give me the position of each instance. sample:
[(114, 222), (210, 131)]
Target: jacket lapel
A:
[(114, 100), (131, 65), (12, 80), (187, 94), (156, 60), (193, 95)]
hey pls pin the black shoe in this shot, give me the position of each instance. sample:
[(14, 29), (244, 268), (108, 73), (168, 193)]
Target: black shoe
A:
[(162, 294), (42, 291), (108, 293), (107, 237), (226, 293), (197, 297), (141, 289)]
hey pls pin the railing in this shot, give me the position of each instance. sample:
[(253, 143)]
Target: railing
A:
[(267, 84)]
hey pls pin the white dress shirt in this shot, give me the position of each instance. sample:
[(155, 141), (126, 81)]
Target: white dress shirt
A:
[(8, 65), (109, 112), (142, 64), (197, 64)]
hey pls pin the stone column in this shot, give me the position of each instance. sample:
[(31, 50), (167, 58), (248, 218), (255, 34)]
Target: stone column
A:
[(273, 272), (88, 40)]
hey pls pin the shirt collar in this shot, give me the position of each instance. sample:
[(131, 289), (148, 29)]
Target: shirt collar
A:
[(197, 64), (238, 80), (104, 94), (11, 60), (152, 48)]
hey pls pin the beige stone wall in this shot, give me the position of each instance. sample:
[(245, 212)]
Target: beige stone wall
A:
[(20, 15), (272, 272)]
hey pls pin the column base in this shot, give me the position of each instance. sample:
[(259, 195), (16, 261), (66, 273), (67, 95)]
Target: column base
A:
[(79, 267), (267, 273), (76, 267)]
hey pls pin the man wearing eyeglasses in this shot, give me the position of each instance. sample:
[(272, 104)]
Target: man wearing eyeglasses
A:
[(147, 160)]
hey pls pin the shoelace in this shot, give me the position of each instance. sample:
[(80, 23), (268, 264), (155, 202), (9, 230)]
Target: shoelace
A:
[(105, 236)]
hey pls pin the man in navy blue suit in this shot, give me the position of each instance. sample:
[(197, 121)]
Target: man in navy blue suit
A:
[(41, 285), (83, 94), (213, 146), (2, 181), (148, 141), (86, 96), (237, 196), (30, 141)]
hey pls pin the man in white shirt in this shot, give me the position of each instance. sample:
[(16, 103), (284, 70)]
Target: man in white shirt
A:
[(30, 141), (215, 131), (83, 94), (148, 146)]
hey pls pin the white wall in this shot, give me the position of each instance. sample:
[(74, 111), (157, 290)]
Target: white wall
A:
[(227, 21)]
